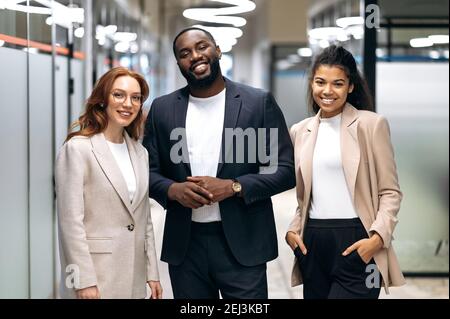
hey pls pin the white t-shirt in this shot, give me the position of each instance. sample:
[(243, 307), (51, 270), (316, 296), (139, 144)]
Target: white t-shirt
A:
[(204, 127), (331, 197), (122, 157)]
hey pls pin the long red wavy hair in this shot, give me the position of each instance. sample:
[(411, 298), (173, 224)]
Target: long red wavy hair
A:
[(95, 120)]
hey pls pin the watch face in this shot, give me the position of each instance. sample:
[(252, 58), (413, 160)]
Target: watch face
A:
[(236, 187)]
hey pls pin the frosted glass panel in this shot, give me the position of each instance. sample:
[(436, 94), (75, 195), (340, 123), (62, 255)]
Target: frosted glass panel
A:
[(290, 93), (414, 98), (41, 177), (13, 172), (61, 127), (78, 97), (61, 93)]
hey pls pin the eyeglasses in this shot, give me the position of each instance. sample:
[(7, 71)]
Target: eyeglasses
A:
[(121, 97)]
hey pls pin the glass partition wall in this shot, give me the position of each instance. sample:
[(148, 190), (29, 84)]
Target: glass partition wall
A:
[(29, 60), (412, 92)]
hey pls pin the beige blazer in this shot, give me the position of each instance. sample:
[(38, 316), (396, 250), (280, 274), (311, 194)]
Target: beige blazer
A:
[(371, 176), (97, 238)]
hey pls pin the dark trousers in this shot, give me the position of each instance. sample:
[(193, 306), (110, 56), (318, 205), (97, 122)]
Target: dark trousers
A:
[(329, 275), (209, 268)]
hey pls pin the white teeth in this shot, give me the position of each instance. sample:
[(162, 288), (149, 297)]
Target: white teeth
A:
[(125, 113), (200, 67), (327, 101)]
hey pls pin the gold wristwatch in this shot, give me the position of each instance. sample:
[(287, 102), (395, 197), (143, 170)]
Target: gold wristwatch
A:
[(237, 187)]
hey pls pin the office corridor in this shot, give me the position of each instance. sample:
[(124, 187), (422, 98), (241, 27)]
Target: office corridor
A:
[(53, 53)]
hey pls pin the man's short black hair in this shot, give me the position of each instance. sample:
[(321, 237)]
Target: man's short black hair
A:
[(208, 34)]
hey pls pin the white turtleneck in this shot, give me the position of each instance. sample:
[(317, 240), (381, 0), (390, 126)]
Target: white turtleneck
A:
[(331, 197)]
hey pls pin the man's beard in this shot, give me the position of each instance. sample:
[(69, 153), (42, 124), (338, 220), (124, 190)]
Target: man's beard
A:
[(206, 81)]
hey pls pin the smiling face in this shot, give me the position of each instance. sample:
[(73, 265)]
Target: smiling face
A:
[(330, 88), (198, 58), (124, 102)]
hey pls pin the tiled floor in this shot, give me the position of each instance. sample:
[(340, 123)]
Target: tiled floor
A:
[(279, 270)]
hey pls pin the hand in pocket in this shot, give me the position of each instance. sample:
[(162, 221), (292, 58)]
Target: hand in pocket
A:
[(296, 243)]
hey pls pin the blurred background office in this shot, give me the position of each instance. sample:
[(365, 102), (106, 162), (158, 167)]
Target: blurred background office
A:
[(51, 53)]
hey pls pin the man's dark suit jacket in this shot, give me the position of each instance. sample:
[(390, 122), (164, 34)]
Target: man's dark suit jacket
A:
[(248, 221)]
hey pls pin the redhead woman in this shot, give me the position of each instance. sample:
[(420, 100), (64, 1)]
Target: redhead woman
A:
[(347, 188), (106, 238)]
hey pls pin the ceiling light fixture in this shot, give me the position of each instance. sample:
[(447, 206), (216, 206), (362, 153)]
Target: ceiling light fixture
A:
[(353, 26), (226, 37), (79, 32), (380, 53), (343, 37), (125, 37), (434, 54), (222, 15), (134, 47), (59, 14), (357, 31), (446, 54), (122, 47), (324, 44), (110, 30), (327, 33), (349, 21), (421, 42), (305, 52), (439, 39)]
